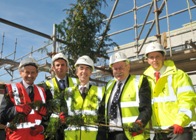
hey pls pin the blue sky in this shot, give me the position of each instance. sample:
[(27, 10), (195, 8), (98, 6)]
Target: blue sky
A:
[(40, 15)]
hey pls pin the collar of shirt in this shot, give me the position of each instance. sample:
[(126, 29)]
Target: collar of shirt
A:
[(26, 85), (123, 82), (162, 70), (87, 86), (65, 78)]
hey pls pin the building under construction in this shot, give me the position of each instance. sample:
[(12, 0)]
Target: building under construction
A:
[(155, 25)]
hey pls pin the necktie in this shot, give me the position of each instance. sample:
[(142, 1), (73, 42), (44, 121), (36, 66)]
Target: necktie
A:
[(113, 109), (31, 93), (157, 75), (62, 84), (83, 92)]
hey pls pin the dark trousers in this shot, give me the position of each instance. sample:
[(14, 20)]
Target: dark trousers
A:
[(117, 135), (2, 134), (187, 135)]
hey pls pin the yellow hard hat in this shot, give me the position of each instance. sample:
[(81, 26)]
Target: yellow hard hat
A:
[(86, 60)]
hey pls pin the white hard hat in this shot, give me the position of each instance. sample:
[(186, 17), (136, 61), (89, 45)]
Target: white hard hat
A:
[(28, 61), (117, 57), (86, 60), (154, 47), (60, 56)]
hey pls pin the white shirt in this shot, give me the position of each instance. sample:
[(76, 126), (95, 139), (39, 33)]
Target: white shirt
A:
[(117, 121), (162, 70), (87, 87), (65, 78)]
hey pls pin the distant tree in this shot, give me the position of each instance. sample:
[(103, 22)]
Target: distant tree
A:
[(83, 31)]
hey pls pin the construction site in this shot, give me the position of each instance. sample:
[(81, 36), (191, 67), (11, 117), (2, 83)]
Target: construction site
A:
[(147, 21), (156, 23)]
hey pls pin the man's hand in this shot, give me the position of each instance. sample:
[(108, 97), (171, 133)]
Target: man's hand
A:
[(62, 117), (37, 129), (137, 128), (43, 111), (23, 108), (177, 129), (8, 131)]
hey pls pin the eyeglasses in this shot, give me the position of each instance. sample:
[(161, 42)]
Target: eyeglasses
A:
[(158, 57)]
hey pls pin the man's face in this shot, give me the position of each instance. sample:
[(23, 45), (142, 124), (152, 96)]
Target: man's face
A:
[(60, 68), (29, 74), (83, 72), (156, 60), (121, 70)]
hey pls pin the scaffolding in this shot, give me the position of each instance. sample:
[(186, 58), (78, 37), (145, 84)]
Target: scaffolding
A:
[(155, 16)]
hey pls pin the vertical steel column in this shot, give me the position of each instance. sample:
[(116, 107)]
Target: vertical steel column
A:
[(2, 44), (190, 15), (54, 50), (168, 27), (135, 25), (156, 12), (15, 49), (12, 71)]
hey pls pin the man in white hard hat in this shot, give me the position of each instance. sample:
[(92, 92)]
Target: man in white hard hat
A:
[(84, 101), (60, 67), (57, 85), (173, 96), (18, 111), (127, 101)]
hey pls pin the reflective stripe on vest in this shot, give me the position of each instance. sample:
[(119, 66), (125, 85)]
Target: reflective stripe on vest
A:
[(99, 95), (84, 112), (129, 104), (53, 115), (83, 128), (129, 119), (28, 124), (16, 94), (69, 89), (186, 111), (41, 94), (185, 89), (74, 80)]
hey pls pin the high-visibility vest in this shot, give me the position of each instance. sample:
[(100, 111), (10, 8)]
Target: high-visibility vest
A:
[(53, 85), (173, 98), (18, 95), (129, 103), (87, 108)]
